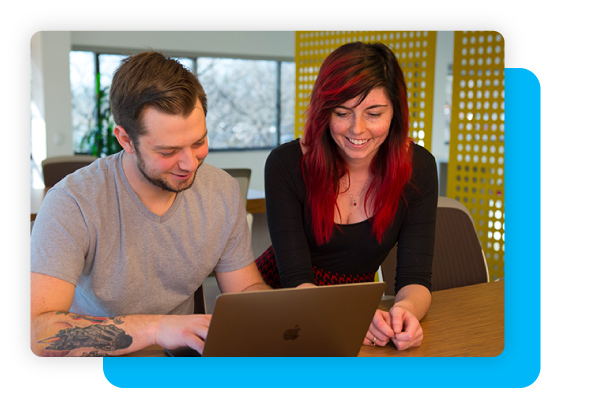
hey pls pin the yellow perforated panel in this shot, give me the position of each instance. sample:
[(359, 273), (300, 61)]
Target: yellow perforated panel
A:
[(476, 162), (415, 52)]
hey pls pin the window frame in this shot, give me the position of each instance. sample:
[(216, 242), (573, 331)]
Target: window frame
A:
[(193, 57)]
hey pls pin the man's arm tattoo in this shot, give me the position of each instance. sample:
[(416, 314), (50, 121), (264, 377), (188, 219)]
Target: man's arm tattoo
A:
[(98, 336), (74, 316), (103, 337)]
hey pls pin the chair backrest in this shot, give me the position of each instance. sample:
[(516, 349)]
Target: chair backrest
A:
[(56, 168), (242, 175), (458, 258)]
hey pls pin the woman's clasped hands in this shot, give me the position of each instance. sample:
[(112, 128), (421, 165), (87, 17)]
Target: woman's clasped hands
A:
[(398, 325)]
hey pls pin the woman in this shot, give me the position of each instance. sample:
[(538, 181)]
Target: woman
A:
[(339, 199)]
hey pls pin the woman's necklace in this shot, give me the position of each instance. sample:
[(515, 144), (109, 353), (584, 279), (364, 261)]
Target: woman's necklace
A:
[(354, 200)]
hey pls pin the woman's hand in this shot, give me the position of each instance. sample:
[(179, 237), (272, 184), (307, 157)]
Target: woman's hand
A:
[(406, 327), (410, 306), (380, 331), (398, 325)]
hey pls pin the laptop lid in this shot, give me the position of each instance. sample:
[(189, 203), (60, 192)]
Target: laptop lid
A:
[(314, 321)]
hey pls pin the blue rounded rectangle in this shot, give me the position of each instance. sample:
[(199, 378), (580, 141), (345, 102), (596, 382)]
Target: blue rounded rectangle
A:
[(518, 365)]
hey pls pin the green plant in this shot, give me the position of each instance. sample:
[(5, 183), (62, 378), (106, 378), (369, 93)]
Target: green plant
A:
[(100, 139)]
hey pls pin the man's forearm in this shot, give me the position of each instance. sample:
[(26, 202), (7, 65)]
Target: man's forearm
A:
[(67, 334), (260, 286)]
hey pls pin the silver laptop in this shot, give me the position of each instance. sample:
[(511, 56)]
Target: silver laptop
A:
[(316, 321)]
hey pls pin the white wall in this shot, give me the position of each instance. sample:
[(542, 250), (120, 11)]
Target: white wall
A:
[(243, 44), (51, 94), (444, 57)]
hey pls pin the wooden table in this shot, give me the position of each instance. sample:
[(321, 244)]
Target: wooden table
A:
[(465, 321), (255, 202)]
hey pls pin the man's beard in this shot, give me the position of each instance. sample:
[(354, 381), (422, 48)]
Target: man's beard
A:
[(159, 182)]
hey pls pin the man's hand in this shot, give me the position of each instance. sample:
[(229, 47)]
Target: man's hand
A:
[(56, 332), (179, 331)]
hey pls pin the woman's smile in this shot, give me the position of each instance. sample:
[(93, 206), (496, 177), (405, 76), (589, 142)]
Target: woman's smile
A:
[(360, 128)]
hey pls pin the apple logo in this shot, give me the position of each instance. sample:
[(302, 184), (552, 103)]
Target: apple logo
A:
[(291, 334)]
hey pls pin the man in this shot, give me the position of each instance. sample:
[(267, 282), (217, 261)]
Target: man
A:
[(119, 247)]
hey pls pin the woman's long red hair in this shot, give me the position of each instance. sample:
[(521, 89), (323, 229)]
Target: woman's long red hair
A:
[(350, 71)]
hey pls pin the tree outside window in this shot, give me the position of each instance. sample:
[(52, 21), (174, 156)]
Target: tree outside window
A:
[(250, 102)]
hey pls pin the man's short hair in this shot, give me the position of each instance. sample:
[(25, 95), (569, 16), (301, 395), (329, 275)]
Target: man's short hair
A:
[(151, 79)]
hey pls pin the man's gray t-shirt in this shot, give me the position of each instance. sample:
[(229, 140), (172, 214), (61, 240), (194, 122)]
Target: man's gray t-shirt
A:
[(94, 232)]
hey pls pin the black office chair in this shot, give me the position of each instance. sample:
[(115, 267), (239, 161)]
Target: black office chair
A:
[(56, 168), (458, 258)]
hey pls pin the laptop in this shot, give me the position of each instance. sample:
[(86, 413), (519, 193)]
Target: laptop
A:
[(328, 320)]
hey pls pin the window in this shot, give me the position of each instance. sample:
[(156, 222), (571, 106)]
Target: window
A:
[(250, 102), (90, 77)]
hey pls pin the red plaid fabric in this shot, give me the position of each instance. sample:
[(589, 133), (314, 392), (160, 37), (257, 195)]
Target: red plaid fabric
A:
[(267, 266)]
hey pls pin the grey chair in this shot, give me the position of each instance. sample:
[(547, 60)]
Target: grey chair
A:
[(458, 258), (56, 168), (242, 175)]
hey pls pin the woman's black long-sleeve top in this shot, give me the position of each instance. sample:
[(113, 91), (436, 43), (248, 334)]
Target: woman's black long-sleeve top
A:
[(352, 249)]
